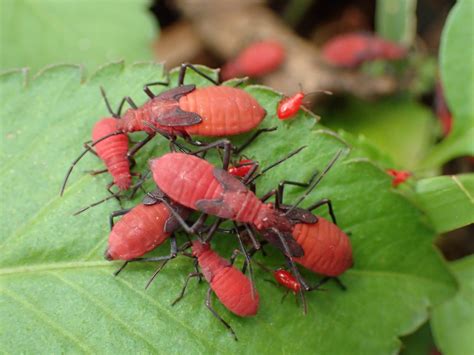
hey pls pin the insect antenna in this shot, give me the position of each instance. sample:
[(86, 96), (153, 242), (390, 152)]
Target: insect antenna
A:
[(316, 181), (271, 166), (88, 148)]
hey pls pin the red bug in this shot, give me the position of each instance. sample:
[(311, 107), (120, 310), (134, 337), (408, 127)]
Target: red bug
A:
[(184, 111), (442, 110), (399, 176), (289, 106), (352, 49), (197, 184), (327, 249), (231, 286), (242, 168), (287, 280), (113, 151), (258, 59), (142, 229)]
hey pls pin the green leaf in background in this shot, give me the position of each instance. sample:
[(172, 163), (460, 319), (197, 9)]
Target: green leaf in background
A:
[(453, 321), (419, 343), (457, 74), (398, 127), (457, 62), (396, 20), (447, 200), (38, 33), (58, 294)]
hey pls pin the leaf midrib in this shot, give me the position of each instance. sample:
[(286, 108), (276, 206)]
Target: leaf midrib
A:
[(63, 266)]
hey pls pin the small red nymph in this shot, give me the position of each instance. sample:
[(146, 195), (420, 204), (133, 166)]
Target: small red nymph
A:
[(399, 176), (289, 106), (242, 168), (287, 280)]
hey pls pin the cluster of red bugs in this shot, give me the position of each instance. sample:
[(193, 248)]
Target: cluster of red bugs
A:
[(187, 184)]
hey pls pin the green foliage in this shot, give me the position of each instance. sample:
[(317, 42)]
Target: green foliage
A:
[(420, 342), (58, 294), (38, 33), (447, 200), (457, 62), (396, 20), (399, 127), (457, 74), (453, 321)]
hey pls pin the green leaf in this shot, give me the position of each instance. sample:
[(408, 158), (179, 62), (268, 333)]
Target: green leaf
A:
[(453, 321), (457, 62), (458, 143), (396, 20), (457, 74), (447, 200), (420, 342), (398, 127), (59, 295), (37, 33)]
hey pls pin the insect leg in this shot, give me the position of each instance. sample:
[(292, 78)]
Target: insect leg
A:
[(182, 73), (247, 259), (340, 284), (291, 263), (107, 103), (116, 195), (183, 290), (116, 214), (147, 90), (271, 166), (254, 136), (96, 172), (188, 229), (281, 185), (221, 143), (94, 204), (327, 202), (139, 146), (209, 306)]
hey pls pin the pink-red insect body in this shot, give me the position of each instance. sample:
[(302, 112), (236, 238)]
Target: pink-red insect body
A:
[(197, 184), (141, 230), (289, 106), (230, 285), (211, 111), (256, 60), (327, 249), (353, 49), (242, 168), (113, 151), (399, 176), (287, 280)]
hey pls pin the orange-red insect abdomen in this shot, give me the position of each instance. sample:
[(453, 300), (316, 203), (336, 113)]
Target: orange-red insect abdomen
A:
[(352, 49), (327, 249), (258, 59), (138, 232), (230, 285), (224, 111), (113, 151)]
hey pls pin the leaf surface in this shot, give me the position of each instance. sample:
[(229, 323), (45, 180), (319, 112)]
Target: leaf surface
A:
[(453, 321), (38, 33), (447, 200), (59, 294)]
